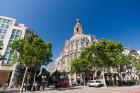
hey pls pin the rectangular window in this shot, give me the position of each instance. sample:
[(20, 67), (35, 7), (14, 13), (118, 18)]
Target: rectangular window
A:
[(9, 22), (5, 21), (3, 36), (3, 26), (12, 36), (1, 30), (14, 31), (4, 62), (7, 26), (18, 32), (6, 55), (9, 61), (4, 32), (1, 19)]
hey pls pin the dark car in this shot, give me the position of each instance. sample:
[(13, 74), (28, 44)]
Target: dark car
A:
[(61, 85)]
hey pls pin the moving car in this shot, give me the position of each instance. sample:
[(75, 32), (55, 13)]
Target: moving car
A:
[(95, 83)]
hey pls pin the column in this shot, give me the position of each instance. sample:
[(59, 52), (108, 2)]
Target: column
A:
[(12, 79)]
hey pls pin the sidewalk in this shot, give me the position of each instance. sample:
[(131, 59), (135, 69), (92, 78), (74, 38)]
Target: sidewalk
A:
[(12, 90)]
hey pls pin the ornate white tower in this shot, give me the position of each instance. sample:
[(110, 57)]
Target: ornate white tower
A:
[(72, 49), (78, 29)]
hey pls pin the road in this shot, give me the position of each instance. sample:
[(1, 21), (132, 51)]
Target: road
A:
[(82, 89)]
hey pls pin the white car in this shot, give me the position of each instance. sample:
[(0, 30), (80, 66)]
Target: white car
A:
[(95, 83)]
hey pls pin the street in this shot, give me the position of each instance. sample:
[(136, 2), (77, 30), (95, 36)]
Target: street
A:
[(82, 89)]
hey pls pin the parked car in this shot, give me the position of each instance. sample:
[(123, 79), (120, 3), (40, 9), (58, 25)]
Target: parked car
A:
[(75, 84), (95, 83), (61, 85)]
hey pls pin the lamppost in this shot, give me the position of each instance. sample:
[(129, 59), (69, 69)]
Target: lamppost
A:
[(43, 81)]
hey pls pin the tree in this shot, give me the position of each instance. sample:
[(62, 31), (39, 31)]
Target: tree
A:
[(32, 51), (102, 54), (81, 65), (137, 66), (55, 77), (136, 62), (122, 61)]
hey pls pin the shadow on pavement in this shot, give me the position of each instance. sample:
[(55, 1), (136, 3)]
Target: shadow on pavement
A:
[(62, 89)]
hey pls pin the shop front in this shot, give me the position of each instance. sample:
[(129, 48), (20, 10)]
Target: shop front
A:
[(4, 77)]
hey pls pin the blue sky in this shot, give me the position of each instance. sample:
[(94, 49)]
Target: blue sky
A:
[(53, 20)]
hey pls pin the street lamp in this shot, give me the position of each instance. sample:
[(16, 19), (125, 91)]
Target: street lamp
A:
[(43, 81), (43, 78)]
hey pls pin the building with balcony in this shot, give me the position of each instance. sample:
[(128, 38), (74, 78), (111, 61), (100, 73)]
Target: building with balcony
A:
[(9, 32)]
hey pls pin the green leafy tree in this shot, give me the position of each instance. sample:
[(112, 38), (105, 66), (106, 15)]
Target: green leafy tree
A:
[(55, 77), (136, 63), (82, 66), (137, 66), (33, 52), (101, 54), (122, 62)]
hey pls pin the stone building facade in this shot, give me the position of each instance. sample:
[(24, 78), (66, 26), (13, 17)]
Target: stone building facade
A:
[(130, 71), (73, 48)]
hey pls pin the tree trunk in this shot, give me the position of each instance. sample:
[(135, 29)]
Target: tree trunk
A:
[(84, 81), (35, 77), (119, 76), (21, 88), (103, 78), (34, 80), (113, 79), (84, 78)]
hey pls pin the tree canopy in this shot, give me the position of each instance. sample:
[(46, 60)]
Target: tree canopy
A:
[(103, 54), (32, 50)]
